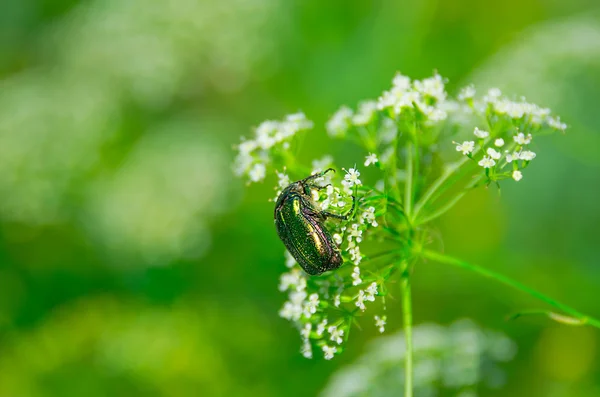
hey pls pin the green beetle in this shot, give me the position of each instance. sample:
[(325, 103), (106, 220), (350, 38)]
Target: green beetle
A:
[(300, 226)]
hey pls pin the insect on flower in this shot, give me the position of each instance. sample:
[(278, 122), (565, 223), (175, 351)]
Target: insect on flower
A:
[(300, 225)]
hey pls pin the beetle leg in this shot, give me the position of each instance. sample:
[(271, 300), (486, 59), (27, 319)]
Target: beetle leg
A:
[(317, 175), (326, 214)]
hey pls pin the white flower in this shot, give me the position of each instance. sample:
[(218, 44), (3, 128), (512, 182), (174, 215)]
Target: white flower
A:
[(291, 311), (510, 157), (371, 159), (321, 327), (310, 306), (360, 300), (466, 147), (329, 351), (337, 238), (336, 334), (289, 260), (380, 323), (481, 133), (306, 349), (337, 300), (499, 142), (355, 233), (527, 155), (371, 291), (291, 279), (494, 154), (338, 124), (556, 123), (467, 92), (487, 162), (305, 332), (265, 133), (351, 178), (354, 251), (517, 175), (366, 110), (369, 217), (296, 122), (258, 172), (401, 81), (521, 139), (356, 280), (432, 87)]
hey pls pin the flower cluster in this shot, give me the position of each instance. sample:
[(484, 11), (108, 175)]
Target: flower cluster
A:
[(396, 197), (255, 154), (499, 159), (427, 96), (503, 150), (318, 306)]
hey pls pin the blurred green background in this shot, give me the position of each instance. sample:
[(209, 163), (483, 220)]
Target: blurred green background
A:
[(133, 263)]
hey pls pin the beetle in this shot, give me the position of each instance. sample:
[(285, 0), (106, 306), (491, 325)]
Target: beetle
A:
[(300, 225)]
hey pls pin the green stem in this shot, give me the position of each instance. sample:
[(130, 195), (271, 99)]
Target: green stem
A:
[(438, 183), (408, 184), (511, 283), (444, 208), (407, 324)]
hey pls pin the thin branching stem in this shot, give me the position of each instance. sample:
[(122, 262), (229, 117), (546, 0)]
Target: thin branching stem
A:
[(584, 319)]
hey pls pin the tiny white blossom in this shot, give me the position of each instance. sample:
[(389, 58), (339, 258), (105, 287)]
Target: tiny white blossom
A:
[(287, 280), (306, 349), (467, 92), (321, 327), (329, 351), (337, 300), (517, 175), (369, 217), (337, 238), (365, 113), (371, 159), (487, 162), (338, 124), (466, 147), (499, 142), (521, 139), (380, 323), (556, 123), (527, 155), (305, 332), (481, 133), (494, 154), (360, 300), (289, 260), (310, 306), (355, 233), (258, 172), (356, 280), (371, 291), (336, 334), (510, 157), (351, 178)]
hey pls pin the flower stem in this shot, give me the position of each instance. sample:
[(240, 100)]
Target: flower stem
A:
[(407, 324), (437, 184), (408, 185), (584, 319)]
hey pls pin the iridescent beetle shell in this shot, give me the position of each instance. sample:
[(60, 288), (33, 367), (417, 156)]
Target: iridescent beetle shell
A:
[(300, 225)]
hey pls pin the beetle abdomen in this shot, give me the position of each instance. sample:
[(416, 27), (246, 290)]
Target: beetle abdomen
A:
[(309, 242)]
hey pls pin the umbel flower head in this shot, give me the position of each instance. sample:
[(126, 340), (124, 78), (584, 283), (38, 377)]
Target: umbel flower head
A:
[(417, 170)]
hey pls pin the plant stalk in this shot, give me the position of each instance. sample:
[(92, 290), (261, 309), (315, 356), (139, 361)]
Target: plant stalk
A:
[(584, 319), (407, 324)]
